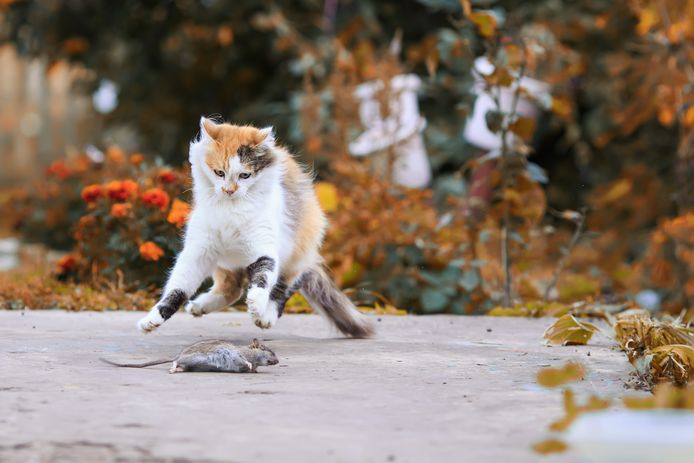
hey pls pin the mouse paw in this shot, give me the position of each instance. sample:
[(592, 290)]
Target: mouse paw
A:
[(176, 368), (151, 321)]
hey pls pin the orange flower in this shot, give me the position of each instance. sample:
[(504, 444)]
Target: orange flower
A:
[(136, 159), (121, 190), (166, 176), (179, 213), (121, 210), (91, 193), (156, 197), (150, 251), (58, 169), (115, 155), (66, 264)]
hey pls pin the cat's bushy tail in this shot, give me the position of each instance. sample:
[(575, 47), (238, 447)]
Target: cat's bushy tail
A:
[(321, 292)]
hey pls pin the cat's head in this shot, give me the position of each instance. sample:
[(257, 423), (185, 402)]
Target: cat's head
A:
[(231, 158), (265, 356)]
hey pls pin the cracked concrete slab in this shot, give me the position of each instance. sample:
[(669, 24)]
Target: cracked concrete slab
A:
[(435, 388)]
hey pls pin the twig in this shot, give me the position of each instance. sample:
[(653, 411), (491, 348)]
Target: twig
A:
[(506, 218), (578, 232)]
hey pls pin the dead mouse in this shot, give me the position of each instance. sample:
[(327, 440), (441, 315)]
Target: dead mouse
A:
[(214, 355)]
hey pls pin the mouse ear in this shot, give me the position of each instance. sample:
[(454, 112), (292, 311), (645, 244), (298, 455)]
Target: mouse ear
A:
[(255, 343)]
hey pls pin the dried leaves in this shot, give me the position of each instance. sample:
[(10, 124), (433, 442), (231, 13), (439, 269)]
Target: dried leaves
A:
[(555, 377), (664, 396), (38, 289), (531, 309), (659, 350), (572, 410)]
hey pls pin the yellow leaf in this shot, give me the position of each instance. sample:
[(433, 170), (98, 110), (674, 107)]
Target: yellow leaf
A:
[(554, 377), (352, 274), (568, 331), (509, 312), (297, 304), (576, 287), (618, 190), (639, 403), (485, 22), (327, 196), (647, 19), (550, 446), (524, 127), (572, 410), (561, 106)]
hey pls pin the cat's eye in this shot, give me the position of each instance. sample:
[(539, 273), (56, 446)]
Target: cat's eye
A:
[(244, 175), (219, 173)]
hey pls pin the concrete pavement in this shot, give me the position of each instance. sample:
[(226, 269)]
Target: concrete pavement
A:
[(426, 389)]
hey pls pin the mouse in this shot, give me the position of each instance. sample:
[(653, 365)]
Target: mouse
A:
[(214, 355)]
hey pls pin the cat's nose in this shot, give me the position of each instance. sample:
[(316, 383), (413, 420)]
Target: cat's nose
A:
[(230, 191)]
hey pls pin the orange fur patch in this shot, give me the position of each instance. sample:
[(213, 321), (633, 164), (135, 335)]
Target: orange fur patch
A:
[(227, 140)]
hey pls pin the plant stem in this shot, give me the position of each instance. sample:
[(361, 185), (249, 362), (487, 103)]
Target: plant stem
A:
[(580, 223)]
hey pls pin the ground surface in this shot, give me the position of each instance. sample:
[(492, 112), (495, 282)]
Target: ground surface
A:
[(426, 389)]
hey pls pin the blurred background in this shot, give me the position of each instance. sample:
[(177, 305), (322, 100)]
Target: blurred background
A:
[(471, 154)]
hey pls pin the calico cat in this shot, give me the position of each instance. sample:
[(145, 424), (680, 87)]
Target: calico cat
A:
[(255, 223)]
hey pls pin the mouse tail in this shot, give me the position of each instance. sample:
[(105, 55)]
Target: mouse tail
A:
[(323, 295), (137, 365)]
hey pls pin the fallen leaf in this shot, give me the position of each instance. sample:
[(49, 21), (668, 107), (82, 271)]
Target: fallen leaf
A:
[(568, 331), (554, 377), (639, 403), (550, 446)]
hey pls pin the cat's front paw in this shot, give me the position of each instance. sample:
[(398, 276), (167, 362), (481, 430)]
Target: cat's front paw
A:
[(257, 302), (151, 321)]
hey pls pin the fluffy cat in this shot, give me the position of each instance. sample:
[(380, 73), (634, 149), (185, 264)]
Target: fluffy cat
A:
[(256, 224)]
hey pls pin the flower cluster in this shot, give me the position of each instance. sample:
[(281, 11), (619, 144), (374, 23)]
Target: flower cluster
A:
[(131, 226), (121, 218)]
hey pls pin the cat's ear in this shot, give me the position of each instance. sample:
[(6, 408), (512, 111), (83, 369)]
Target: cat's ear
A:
[(209, 129), (268, 135), (255, 344)]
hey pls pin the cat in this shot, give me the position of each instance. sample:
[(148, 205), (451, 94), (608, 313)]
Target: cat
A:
[(255, 223)]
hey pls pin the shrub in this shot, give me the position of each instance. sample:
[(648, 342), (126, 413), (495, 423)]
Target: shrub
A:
[(131, 229)]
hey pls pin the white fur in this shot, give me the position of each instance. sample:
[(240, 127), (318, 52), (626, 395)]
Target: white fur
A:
[(206, 303), (231, 231)]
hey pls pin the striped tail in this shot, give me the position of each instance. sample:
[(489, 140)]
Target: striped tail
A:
[(321, 292)]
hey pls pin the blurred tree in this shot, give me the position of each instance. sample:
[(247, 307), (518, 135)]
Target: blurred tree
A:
[(175, 60)]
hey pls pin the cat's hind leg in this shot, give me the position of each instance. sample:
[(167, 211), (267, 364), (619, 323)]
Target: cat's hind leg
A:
[(227, 288), (285, 287)]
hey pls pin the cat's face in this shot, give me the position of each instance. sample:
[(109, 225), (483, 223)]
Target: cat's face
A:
[(233, 157)]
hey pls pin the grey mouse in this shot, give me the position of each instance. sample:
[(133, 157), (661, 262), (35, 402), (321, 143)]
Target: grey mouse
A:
[(214, 355)]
